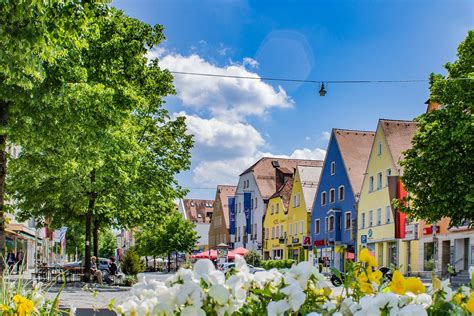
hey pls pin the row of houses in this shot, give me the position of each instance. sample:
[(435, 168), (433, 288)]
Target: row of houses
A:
[(326, 211)]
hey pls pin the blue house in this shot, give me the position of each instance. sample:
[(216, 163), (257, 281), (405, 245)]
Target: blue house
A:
[(333, 217)]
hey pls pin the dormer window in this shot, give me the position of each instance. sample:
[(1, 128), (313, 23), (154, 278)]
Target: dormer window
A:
[(333, 168), (193, 204)]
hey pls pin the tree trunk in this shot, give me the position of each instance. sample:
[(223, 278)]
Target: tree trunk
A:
[(169, 262), (95, 237), (154, 263), (176, 261), (3, 174), (90, 210)]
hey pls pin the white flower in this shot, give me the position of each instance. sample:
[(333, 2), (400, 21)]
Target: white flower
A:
[(184, 275), (296, 296), (471, 271), (278, 308), (273, 276), (192, 311), (38, 299), (411, 310), (72, 310), (371, 305), (423, 299), (328, 305), (189, 293), (128, 307), (203, 267), (349, 307), (219, 293), (301, 273)]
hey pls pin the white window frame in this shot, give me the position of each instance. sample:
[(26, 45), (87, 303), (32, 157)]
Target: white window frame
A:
[(388, 173), (324, 198), (379, 148), (371, 184), (266, 233), (326, 223), (379, 216), (317, 228), (295, 227), (343, 193), (273, 232), (388, 214), (345, 220), (333, 223), (272, 209), (333, 168), (277, 208), (302, 227), (332, 197), (379, 180), (371, 218), (281, 231), (291, 229), (363, 220), (277, 232)]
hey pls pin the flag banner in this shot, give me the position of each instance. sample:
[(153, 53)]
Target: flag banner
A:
[(247, 205), (231, 202)]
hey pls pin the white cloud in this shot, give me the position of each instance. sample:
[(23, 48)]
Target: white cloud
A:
[(250, 62), (231, 99), (325, 135), (235, 138), (305, 153)]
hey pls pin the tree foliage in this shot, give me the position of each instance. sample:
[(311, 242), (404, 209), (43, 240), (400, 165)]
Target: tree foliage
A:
[(439, 169), (132, 265), (253, 257), (107, 243)]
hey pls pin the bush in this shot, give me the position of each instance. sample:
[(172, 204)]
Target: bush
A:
[(278, 264), (132, 265), (254, 258)]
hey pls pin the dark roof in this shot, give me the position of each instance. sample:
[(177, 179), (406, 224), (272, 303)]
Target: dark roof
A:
[(285, 193), (354, 147)]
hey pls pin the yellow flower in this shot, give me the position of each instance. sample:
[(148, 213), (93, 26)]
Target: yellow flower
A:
[(397, 285), (366, 288), (372, 262), (414, 285), (364, 255), (4, 308), (458, 298), (470, 303), (375, 276), (24, 306)]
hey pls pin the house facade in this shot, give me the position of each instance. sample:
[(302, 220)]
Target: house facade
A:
[(200, 213), (303, 192), (255, 187), (219, 226), (275, 223), (382, 228), (334, 216)]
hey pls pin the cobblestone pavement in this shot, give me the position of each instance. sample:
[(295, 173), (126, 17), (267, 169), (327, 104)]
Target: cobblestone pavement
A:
[(93, 299)]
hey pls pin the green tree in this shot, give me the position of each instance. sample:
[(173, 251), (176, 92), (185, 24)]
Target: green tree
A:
[(172, 234), (438, 169), (32, 33), (115, 151), (253, 257), (132, 265), (107, 243)]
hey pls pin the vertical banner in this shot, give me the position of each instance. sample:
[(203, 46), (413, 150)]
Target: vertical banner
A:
[(247, 205), (231, 204)]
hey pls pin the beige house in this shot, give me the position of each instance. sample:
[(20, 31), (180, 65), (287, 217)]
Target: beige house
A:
[(219, 227)]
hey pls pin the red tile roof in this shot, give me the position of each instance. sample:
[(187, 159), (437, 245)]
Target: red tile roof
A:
[(198, 211), (285, 193)]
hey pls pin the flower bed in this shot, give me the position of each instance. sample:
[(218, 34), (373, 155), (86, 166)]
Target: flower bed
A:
[(300, 290)]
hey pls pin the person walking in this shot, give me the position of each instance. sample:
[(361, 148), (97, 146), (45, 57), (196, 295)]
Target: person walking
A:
[(19, 261)]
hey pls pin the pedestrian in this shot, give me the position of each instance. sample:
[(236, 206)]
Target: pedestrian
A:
[(95, 271), (113, 269), (10, 260), (19, 261)]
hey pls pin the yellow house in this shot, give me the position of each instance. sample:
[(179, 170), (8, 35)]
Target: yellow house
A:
[(382, 229), (303, 193), (274, 223)]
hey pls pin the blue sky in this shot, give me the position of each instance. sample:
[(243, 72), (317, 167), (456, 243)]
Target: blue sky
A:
[(236, 121)]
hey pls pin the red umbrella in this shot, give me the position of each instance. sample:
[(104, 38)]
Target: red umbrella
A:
[(240, 251)]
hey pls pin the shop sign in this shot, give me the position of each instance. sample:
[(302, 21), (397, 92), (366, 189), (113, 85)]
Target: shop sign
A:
[(363, 239), (281, 240), (370, 233), (221, 253), (429, 230), (319, 243), (306, 241), (410, 231), (295, 241)]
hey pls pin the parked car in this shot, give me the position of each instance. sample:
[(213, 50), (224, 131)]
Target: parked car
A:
[(103, 265), (230, 265)]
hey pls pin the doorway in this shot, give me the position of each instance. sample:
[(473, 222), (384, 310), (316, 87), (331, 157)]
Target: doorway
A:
[(445, 249)]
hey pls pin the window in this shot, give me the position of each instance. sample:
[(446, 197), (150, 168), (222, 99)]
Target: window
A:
[(371, 218), (362, 224), (266, 233), (333, 168), (291, 229), (389, 173), (341, 193), (302, 227), (331, 223), (323, 198), (273, 232), (278, 208), (348, 220), (316, 226), (379, 180), (255, 231), (327, 224), (278, 232), (296, 200), (238, 233), (379, 216), (332, 196), (281, 231), (379, 148), (371, 183), (272, 209), (295, 227), (255, 204), (388, 211)]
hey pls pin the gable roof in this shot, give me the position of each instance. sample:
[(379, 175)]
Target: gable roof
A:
[(285, 193), (197, 211), (309, 179), (223, 192), (354, 147), (265, 175), (398, 135)]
